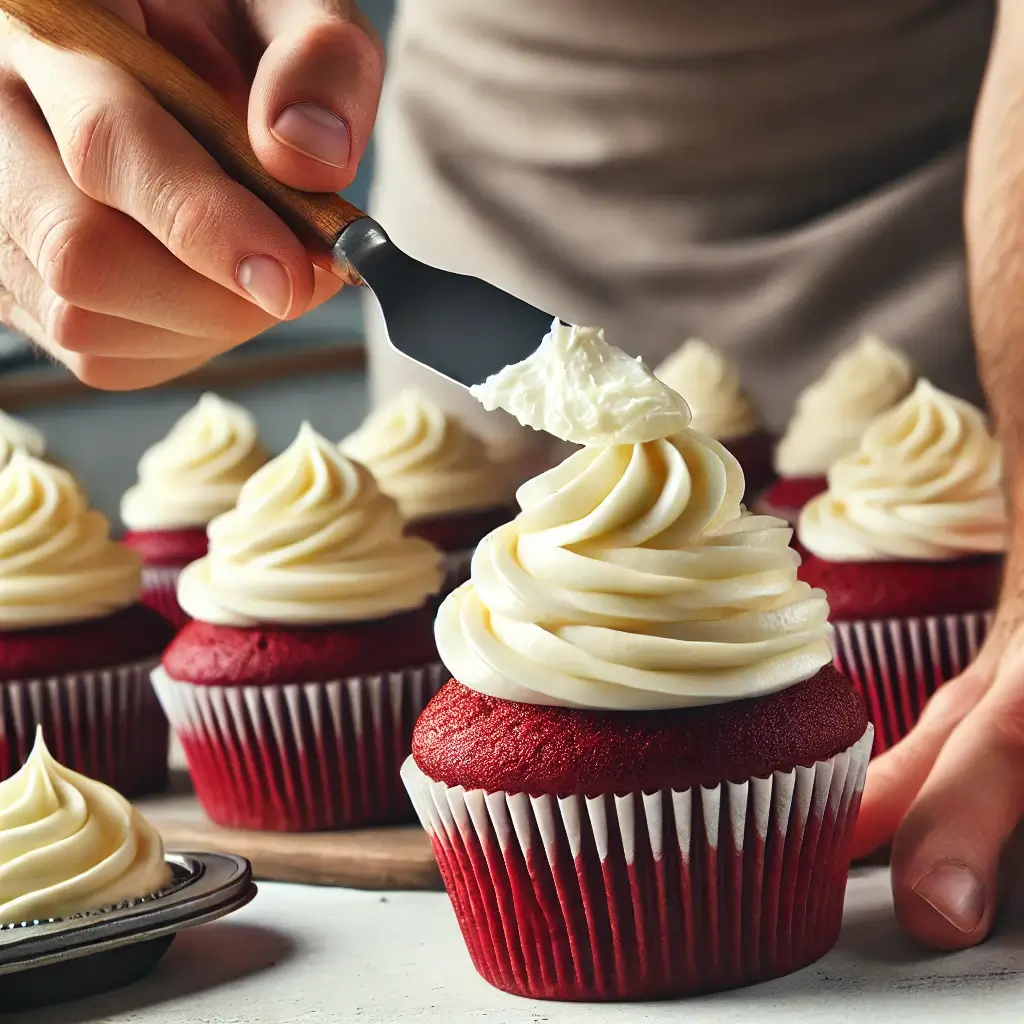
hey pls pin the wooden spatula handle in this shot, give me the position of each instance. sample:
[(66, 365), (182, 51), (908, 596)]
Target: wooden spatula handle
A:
[(85, 27)]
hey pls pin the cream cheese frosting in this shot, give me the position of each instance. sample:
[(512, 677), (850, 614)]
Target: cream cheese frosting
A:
[(17, 435), (426, 460), (633, 578), (864, 381), (710, 383), (580, 389), (196, 472), (57, 562), (69, 844), (312, 541), (925, 483)]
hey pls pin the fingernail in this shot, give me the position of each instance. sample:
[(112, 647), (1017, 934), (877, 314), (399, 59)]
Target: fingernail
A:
[(314, 131), (955, 892), (266, 280)]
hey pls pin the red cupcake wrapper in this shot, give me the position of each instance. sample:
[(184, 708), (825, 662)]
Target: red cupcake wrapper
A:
[(160, 592), (106, 724), (304, 757), (897, 664), (647, 895)]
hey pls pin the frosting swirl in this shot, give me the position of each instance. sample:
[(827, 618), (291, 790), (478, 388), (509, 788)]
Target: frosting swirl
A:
[(312, 541), (17, 435), (197, 470), (580, 389), (711, 386), (57, 561), (426, 460), (925, 483), (833, 412), (632, 579), (69, 844)]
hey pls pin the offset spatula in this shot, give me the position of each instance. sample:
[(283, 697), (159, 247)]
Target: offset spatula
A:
[(425, 309)]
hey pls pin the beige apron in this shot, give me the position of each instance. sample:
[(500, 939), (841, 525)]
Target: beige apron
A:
[(774, 177)]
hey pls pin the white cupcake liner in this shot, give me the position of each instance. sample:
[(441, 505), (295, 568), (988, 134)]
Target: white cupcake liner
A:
[(160, 592), (106, 724), (301, 757), (898, 664), (647, 895)]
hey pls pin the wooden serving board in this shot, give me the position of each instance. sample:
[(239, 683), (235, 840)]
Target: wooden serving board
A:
[(397, 857)]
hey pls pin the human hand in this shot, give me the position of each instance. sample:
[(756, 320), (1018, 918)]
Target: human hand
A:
[(952, 792), (125, 252)]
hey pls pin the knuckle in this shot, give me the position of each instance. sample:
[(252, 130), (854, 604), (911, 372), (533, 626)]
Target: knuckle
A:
[(67, 325), (89, 144), (188, 218), (1006, 723), (65, 250), (951, 703)]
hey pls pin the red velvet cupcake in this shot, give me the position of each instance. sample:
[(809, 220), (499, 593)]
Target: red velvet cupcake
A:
[(908, 542), (722, 408), (188, 478), (76, 650), (644, 781), (295, 689), (449, 490), (830, 417)]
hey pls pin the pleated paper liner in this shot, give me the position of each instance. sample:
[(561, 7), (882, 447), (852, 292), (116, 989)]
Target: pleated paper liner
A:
[(457, 570), (160, 592), (106, 724), (647, 895), (898, 664), (304, 757)]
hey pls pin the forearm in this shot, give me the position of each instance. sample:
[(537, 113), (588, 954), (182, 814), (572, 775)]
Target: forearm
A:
[(994, 219)]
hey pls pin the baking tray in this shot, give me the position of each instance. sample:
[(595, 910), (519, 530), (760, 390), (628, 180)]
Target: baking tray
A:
[(45, 962)]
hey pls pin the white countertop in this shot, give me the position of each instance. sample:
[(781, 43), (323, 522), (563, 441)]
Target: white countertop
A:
[(309, 955)]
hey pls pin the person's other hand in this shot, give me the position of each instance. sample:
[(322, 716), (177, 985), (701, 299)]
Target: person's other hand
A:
[(125, 251), (952, 792)]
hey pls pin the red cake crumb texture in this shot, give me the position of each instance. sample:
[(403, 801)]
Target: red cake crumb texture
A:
[(208, 655), (789, 494), (465, 738), (460, 531), (131, 635), (167, 548), (881, 590)]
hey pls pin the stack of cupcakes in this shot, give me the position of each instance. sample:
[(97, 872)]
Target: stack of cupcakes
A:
[(76, 647), (721, 408), (448, 489), (643, 778), (908, 542), (830, 417), (295, 689), (185, 480)]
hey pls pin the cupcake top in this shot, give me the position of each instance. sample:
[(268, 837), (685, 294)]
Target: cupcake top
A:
[(69, 844), (312, 541), (58, 564), (925, 483), (632, 578), (426, 460), (17, 435), (834, 411), (197, 470), (710, 383)]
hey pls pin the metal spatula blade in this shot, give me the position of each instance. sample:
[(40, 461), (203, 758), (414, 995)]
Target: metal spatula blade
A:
[(459, 326)]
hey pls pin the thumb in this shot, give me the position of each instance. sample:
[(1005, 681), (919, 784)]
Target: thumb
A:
[(314, 97)]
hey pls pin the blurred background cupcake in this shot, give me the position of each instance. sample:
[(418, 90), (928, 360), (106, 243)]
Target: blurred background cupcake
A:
[(448, 488), (76, 647), (194, 474), (721, 407), (642, 780), (17, 435), (908, 542), (295, 689), (830, 417)]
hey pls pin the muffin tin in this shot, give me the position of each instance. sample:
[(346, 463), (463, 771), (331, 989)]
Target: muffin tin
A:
[(44, 962)]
